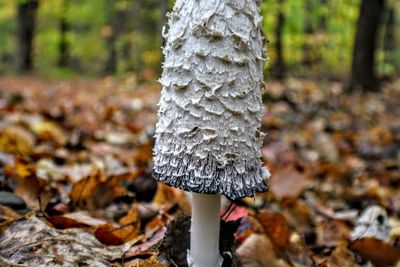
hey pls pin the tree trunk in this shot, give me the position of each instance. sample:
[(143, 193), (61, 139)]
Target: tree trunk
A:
[(389, 41), (117, 20), (110, 66), (363, 67), (63, 46), (112, 62), (137, 46), (323, 19), (279, 66), (309, 31), (26, 23)]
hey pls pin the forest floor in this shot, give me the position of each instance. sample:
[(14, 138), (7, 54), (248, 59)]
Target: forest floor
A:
[(76, 186)]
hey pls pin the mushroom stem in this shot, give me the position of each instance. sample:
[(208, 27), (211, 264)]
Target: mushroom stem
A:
[(204, 231)]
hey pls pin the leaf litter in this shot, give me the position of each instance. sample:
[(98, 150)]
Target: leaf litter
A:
[(75, 177)]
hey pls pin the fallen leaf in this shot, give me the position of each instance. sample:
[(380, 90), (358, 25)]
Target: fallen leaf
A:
[(150, 262), (131, 217), (29, 187), (23, 168), (341, 257), (331, 232), (276, 227), (258, 251), (109, 234), (49, 131), (34, 243), (106, 236), (297, 253), (157, 223), (83, 189), (16, 140), (74, 220), (7, 217), (235, 213), (166, 197), (143, 154), (61, 222), (144, 246), (288, 184), (378, 251), (96, 191)]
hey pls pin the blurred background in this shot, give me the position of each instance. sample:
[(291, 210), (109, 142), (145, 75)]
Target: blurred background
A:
[(312, 38)]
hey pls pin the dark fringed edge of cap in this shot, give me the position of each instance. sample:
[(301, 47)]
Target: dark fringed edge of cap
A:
[(183, 178)]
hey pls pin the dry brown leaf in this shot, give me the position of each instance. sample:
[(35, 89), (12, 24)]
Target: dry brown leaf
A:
[(49, 131), (34, 243), (144, 246), (96, 191), (378, 251), (299, 215), (16, 140), (166, 197), (258, 251), (109, 234), (150, 262), (341, 257), (288, 184), (380, 135), (29, 187), (297, 253), (156, 224), (105, 235), (74, 220), (7, 216), (330, 232), (85, 188), (61, 222), (276, 227), (23, 168), (143, 154), (131, 217)]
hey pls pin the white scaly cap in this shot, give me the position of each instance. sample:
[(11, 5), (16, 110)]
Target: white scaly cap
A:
[(208, 135)]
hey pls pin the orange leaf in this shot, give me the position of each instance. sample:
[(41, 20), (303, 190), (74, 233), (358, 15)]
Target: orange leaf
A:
[(166, 197), (156, 224), (73, 220), (378, 251), (115, 236), (96, 191), (23, 168), (30, 188), (131, 217), (276, 227), (105, 235), (150, 262), (61, 222), (144, 153), (85, 187)]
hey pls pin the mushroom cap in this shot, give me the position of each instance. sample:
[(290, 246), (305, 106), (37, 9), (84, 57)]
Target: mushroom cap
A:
[(208, 136)]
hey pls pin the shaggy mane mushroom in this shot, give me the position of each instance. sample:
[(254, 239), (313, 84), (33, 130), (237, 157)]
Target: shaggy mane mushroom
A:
[(208, 137)]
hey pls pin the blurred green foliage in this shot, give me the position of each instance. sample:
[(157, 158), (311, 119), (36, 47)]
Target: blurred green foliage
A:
[(331, 25)]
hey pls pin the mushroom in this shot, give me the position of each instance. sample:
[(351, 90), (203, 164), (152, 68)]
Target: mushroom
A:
[(208, 138)]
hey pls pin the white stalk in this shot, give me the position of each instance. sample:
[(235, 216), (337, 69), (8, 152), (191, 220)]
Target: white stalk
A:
[(204, 231)]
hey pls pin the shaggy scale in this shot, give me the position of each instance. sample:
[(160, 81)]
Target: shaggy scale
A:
[(208, 135)]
